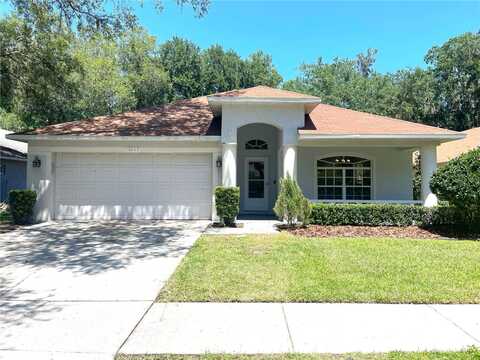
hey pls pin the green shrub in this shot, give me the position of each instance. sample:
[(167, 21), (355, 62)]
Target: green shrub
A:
[(458, 182), (291, 206), (21, 205), (227, 203), (384, 215), (369, 214)]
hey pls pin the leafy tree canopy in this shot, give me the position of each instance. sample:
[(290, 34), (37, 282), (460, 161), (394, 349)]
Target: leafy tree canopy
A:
[(108, 16), (456, 69)]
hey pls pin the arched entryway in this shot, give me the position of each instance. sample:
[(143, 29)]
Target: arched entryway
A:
[(258, 167)]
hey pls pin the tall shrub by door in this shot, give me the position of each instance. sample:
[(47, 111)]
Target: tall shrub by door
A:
[(291, 205)]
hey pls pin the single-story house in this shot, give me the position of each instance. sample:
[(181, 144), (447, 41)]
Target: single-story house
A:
[(453, 149), (13, 165), (164, 162)]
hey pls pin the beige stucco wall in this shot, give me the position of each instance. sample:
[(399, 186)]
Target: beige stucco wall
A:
[(392, 169)]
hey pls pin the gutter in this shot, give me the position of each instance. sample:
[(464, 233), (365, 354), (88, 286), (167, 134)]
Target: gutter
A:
[(382, 136), (26, 138), (12, 158)]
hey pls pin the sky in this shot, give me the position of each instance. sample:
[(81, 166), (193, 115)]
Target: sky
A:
[(296, 32)]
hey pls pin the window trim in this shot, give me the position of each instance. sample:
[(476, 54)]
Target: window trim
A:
[(257, 139), (360, 155)]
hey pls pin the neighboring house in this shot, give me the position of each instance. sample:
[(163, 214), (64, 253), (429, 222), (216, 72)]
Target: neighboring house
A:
[(165, 162), (13, 165), (453, 149)]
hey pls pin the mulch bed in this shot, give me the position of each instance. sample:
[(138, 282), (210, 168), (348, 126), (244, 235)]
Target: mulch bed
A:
[(381, 231)]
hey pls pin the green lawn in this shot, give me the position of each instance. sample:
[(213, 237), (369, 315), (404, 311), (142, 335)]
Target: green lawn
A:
[(471, 354), (285, 268)]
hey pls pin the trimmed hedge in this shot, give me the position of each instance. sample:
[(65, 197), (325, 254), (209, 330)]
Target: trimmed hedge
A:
[(383, 215), (227, 203), (21, 205)]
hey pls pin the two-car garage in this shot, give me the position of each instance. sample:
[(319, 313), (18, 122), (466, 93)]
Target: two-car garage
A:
[(132, 186)]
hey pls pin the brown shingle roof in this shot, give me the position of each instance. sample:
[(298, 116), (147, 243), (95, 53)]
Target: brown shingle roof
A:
[(195, 117), (451, 150), (333, 120), (180, 118)]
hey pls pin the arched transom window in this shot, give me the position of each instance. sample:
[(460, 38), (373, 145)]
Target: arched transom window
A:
[(256, 144), (344, 178)]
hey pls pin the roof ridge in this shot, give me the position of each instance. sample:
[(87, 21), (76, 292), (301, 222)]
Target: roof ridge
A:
[(246, 90)]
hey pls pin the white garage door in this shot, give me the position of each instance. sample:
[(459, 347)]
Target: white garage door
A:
[(133, 186)]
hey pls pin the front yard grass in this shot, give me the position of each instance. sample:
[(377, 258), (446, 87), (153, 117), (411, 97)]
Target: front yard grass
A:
[(288, 268), (471, 354)]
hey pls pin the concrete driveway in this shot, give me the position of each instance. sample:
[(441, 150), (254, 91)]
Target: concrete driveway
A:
[(71, 290)]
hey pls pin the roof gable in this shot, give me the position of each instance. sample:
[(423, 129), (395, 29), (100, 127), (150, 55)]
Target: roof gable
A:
[(332, 120), (453, 149)]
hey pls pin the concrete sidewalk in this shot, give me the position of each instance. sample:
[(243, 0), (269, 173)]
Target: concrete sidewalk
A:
[(253, 328)]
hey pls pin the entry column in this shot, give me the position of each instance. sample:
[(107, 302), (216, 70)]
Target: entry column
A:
[(229, 164), (428, 159), (290, 161)]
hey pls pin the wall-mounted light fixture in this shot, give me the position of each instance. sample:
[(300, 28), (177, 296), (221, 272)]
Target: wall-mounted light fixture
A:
[(219, 163), (36, 163)]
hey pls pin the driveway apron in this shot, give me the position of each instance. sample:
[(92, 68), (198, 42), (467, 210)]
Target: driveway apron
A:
[(75, 290)]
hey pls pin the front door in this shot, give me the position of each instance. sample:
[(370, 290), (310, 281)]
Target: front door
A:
[(256, 194)]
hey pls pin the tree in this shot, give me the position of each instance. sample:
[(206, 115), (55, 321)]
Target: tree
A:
[(456, 69), (35, 69), (104, 88), (416, 96), (10, 121), (259, 70), (340, 83), (221, 71), (366, 61), (182, 60), (151, 85), (139, 60), (334, 83), (93, 15)]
